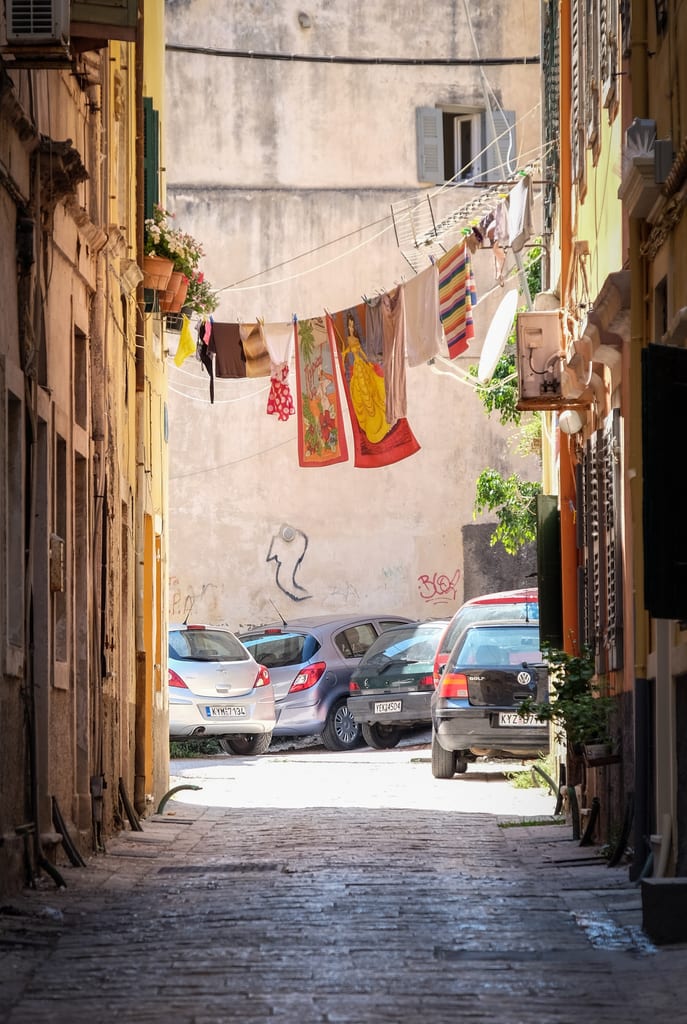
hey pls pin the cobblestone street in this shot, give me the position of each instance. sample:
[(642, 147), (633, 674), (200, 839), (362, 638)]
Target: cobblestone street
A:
[(401, 899)]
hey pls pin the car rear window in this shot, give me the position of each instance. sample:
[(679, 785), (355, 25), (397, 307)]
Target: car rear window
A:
[(507, 645), (276, 650), (411, 645), (205, 645)]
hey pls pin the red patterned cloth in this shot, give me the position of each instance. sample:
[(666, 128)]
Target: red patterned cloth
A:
[(280, 400)]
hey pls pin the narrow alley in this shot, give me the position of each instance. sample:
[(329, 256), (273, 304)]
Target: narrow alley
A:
[(398, 898)]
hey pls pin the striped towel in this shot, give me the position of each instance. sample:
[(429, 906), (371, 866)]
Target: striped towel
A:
[(457, 296)]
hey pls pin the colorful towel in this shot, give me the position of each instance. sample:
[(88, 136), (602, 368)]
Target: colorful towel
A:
[(377, 443), (321, 433), (456, 298)]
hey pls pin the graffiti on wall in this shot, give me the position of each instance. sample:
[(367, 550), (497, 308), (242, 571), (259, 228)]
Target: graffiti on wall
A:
[(287, 551), (181, 605), (439, 588)]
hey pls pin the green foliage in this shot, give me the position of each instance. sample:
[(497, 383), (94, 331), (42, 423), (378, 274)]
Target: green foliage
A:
[(578, 708), (500, 394), (193, 748), (513, 501)]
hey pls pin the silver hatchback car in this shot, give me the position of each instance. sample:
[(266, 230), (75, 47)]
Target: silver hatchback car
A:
[(310, 661), (218, 690)]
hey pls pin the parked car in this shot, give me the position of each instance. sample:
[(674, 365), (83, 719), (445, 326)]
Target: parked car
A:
[(503, 605), (391, 689), (218, 690), (493, 667), (310, 661)]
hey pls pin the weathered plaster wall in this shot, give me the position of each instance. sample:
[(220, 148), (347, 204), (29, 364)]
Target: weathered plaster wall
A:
[(270, 160)]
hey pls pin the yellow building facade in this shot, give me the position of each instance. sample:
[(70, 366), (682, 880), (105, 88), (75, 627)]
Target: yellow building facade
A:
[(83, 520)]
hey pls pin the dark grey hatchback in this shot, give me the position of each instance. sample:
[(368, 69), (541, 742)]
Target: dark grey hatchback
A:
[(310, 661), (391, 689), (490, 671)]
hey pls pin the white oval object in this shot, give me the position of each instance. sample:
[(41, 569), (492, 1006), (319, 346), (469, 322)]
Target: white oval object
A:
[(497, 336)]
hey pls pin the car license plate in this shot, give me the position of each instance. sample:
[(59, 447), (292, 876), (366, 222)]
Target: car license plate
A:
[(384, 706), (513, 718), (216, 711)]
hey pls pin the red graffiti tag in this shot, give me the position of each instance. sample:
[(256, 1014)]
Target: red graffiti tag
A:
[(438, 588)]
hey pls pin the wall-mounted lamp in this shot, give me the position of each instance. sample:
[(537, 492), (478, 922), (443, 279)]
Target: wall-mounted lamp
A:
[(570, 421)]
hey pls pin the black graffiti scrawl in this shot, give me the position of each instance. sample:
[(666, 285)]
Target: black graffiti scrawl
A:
[(288, 549)]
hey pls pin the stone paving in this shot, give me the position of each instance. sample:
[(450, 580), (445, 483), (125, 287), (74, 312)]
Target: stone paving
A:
[(338, 914)]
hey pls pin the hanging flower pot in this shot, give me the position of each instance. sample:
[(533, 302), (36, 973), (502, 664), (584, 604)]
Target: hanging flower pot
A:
[(180, 296), (156, 272)]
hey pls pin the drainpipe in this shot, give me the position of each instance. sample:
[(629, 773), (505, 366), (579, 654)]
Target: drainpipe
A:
[(642, 690)]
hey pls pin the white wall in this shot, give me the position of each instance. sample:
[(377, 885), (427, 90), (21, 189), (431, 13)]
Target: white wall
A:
[(268, 160)]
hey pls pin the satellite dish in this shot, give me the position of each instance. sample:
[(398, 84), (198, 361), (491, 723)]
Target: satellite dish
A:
[(497, 336)]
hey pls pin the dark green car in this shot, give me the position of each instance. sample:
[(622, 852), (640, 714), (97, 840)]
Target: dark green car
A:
[(391, 689)]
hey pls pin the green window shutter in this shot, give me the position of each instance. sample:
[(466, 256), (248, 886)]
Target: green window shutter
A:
[(501, 151), (664, 399), (549, 580), (104, 19), (151, 156), (430, 144)]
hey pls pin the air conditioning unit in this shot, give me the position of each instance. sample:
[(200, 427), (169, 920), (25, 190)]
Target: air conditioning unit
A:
[(37, 23), (540, 355)]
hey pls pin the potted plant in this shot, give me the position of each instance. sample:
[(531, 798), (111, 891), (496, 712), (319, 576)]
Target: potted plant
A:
[(158, 258), (200, 297), (578, 707), (179, 252)]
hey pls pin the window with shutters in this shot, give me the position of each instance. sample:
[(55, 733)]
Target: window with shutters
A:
[(609, 55), (599, 537), (577, 99), (151, 156), (592, 76), (463, 145)]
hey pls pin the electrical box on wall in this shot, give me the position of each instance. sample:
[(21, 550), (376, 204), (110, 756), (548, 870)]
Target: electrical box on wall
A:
[(540, 353)]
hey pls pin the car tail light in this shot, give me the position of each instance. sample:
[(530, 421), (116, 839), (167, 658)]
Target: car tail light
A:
[(176, 680), (195, 627), (453, 684), (426, 683), (308, 677), (263, 677), (353, 687)]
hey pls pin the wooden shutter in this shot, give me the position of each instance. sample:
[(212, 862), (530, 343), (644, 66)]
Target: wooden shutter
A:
[(151, 156), (500, 145), (609, 506), (549, 580), (430, 144), (664, 400)]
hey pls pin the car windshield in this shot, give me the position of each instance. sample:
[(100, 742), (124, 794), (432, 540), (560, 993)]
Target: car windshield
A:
[(492, 645), (205, 645), (409, 646), (276, 650)]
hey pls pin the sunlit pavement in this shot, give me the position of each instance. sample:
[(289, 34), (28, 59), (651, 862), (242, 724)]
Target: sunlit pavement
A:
[(303, 887)]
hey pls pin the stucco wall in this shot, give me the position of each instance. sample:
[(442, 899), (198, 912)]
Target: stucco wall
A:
[(270, 160)]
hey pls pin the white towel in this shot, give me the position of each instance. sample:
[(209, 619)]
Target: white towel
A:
[(423, 326)]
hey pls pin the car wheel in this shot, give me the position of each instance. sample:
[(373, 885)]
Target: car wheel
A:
[(246, 744), (461, 765), (381, 737), (341, 731), (443, 761)]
